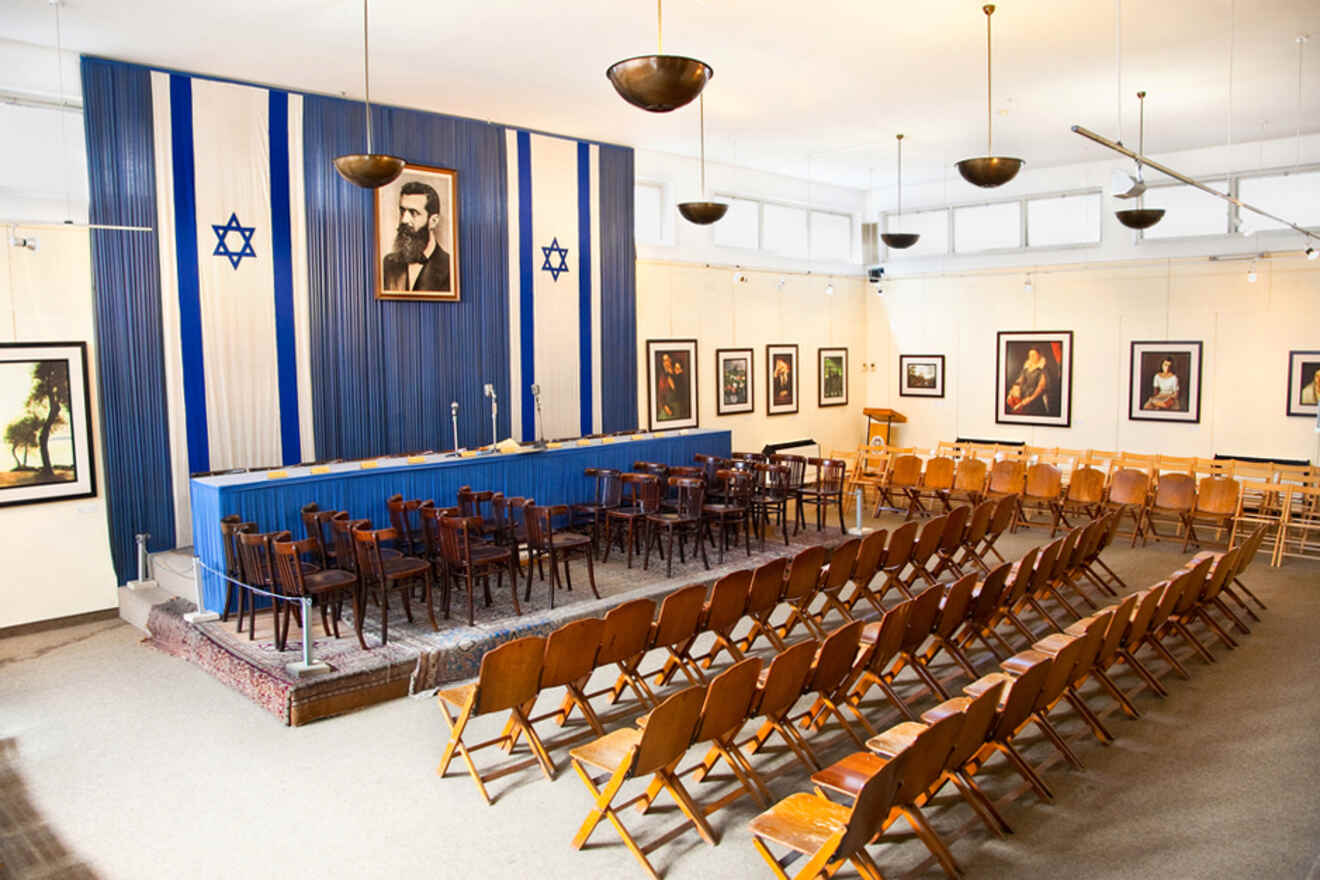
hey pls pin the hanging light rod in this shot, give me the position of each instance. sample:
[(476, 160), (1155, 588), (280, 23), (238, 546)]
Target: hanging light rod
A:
[(68, 224), (1183, 178)]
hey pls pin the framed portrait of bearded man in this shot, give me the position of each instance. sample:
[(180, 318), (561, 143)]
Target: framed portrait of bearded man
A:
[(671, 383), (417, 236), (1033, 378)]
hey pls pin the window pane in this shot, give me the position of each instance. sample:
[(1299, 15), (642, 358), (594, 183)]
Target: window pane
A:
[(740, 226), (785, 230), (831, 237), (1294, 196), (1063, 220), (987, 227), (1187, 210), (932, 226), (648, 199)]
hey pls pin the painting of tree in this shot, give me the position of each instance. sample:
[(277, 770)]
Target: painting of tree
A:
[(36, 394)]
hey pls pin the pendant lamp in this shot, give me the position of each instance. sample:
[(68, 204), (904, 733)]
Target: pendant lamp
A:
[(1140, 217), (659, 83), (900, 240), (702, 213), (989, 170), (368, 170)]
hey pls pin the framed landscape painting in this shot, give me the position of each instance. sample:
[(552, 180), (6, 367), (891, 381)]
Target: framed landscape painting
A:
[(733, 373), (1304, 383), (417, 235), (1033, 378), (45, 410), (1165, 382), (832, 376), (671, 383), (781, 363), (921, 375)]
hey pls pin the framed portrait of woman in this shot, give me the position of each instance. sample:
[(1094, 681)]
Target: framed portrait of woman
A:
[(1165, 382), (781, 369), (671, 383), (1033, 378), (733, 372), (1304, 384)]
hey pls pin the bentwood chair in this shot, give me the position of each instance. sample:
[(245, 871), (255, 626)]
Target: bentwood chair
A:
[(230, 527), (467, 557), (385, 575), (826, 491), (406, 523), (316, 524), (556, 547), (322, 586), (641, 498), (735, 510), (771, 496), (607, 496), (688, 517), (254, 555), (797, 475)]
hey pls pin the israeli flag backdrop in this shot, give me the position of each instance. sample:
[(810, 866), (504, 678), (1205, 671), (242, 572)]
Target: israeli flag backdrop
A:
[(233, 277), (555, 284)]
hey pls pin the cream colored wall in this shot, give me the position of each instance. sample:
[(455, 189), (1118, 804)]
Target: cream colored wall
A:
[(1247, 330), (692, 301), (57, 555)]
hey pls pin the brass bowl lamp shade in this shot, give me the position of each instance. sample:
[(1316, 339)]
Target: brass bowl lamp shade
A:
[(702, 213), (659, 83), (1140, 218), (989, 171), (369, 170), (899, 240)]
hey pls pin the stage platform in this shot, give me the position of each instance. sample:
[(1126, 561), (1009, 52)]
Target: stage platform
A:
[(416, 658)]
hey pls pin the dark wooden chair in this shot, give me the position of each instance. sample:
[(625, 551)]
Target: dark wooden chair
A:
[(341, 529), (430, 516), (383, 574), (254, 555), (478, 505), (316, 525), (826, 491), (230, 527), (734, 510), (406, 523), (687, 518), (608, 495), (468, 557), (770, 496), (323, 586), (797, 475), (641, 498), (556, 547)]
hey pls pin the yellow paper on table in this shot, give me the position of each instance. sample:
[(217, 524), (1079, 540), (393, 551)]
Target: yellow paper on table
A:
[(416, 459), (319, 469), (367, 465), (637, 437), (584, 442), (554, 445), (275, 475), (468, 453), (606, 439)]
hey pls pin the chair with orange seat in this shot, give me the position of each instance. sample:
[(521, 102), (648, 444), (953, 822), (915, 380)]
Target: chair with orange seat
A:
[(1173, 500), (1085, 496), (1043, 489), (1216, 503), (901, 482), (969, 481), (937, 482), (1129, 495)]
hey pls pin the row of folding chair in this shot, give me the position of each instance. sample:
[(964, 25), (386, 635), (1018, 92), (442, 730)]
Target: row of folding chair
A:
[(906, 766)]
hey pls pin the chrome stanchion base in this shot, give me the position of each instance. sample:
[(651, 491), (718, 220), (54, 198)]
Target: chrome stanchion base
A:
[(306, 670), (201, 615)]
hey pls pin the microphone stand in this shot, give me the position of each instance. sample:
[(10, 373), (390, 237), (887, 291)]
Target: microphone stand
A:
[(453, 418), (540, 424), (494, 408)]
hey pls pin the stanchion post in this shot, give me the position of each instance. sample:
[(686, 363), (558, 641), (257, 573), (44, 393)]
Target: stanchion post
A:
[(307, 666), (859, 529), (144, 579), (201, 615)]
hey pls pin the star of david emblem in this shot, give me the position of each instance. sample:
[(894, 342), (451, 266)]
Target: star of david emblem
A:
[(222, 248), (555, 270)]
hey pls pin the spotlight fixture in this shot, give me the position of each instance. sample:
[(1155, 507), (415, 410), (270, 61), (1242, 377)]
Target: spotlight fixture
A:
[(1311, 253), (899, 240), (779, 285), (1139, 217), (989, 171), (705, 212), (739, 277), (1251, 274), (879, 291), (368, 170), (829, 289), (659, 83), (1026, 285)]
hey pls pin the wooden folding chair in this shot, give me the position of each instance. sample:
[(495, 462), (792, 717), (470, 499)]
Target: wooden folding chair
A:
[(1016, 704), (829, 678), (1174, 499), (1299, 527), (1020, 577), (936, 484), (634, 753), (1190, 582), (898, 551), (1007, 478), (1221, 569), (778, 690), (880, 642), (1169, 592), (833, 578), (978, 525), (1085, 496), (1129, 494), (1092, 637), (510, 676), (800, 587), (920, 623), (1044, 488), (570, 656), (954, 609), (1216, 503), (969, 481), (1005, 509), (674, 630), (952, 539), (1119, 621), (928, 541), (763, 596), (903, 479), (827, 833), (721, 613), (977, 622), (870, 556), (623, 642)]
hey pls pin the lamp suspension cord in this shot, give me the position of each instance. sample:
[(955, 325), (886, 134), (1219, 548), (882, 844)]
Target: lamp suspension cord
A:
[(1301, 44), (1141, 141), (900, 176), (659, 29), (1118, 66), (64, 140), (366, 74), (989, 85), (701, 104)]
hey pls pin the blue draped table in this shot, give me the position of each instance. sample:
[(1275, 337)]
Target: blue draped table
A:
[(551, 476)]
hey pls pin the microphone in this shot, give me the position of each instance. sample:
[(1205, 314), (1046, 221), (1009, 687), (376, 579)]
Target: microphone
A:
[(536, 391)]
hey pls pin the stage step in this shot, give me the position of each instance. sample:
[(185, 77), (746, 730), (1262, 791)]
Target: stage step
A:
[(172, 570)]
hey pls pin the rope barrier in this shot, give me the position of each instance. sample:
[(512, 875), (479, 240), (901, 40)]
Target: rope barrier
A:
[(305, 601)]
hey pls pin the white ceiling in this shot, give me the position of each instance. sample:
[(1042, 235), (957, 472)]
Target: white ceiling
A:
[(798, 89)]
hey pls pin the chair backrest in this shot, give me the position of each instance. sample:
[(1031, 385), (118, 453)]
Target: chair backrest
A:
[(728, 600), (931, 535), (834, 658), (899, 549), (288, 555), (1043, 481), (540, 525), (728, 700), (401, 513), (570, 652), (1119, 622), (978, 719), (510, 675), (1198, 577), (316, 526), (1147, 602), (928, 755), (456, 538), (889, 636), (626, 632), (1093, 639), (1004, 509), (956, 603), (840, 567), (1086, 485), (642, 491), (905, 471), (1129, 486), (366, 541), (1067, 550), (655, 468), (1020, 701), (979, 523), (608, 486), (1217, 495), (772, 480), (341, 527), (1006, 477), (767, 586), (1061, 671), (254, 558), (1044, 568), (870, 556), (804, 572), (1224, 568), (430, 516), (230, 527), (921, 620), (738, 485), (871, 808), (797, 468), (990, 592), (831, 473), (1176, 491), (1172, 591), (970, 475), (680, 615), (786, 679), (939, 474), (470, 502), (955, 528), (1021, 575), (668, 731)]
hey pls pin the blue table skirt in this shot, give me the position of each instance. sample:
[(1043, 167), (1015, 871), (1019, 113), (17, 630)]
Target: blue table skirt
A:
[(552, 476)]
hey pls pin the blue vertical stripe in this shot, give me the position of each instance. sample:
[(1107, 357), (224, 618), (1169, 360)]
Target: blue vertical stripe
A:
[(584, 284), (526, 314), (190, 298), (618, 288), (282, 253)]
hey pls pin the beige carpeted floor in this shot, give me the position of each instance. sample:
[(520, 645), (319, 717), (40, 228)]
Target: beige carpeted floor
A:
[(139, 765)]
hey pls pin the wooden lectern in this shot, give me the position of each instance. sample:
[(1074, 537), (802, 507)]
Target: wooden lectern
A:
[(878, 423)]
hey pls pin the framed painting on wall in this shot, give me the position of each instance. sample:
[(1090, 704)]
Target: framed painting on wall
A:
[(832, 376), (1164, 382), (781, 368), (921, 375), (417, 235), (1033, 378), (671, 383), (45, 408), (733, 373), (1304, 384)]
